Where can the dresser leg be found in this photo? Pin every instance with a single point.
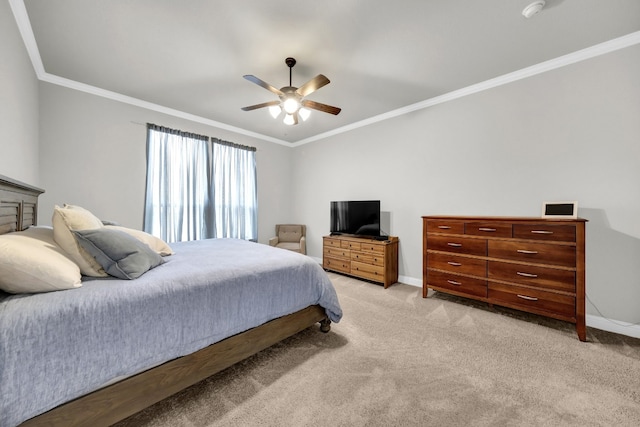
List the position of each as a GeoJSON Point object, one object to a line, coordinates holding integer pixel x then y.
{"type": "Point", "coordinates": [425, 291]}
{"type": "Point", "coordinates": [581, 329]}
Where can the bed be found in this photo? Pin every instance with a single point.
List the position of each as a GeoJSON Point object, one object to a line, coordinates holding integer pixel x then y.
{"type": "Point", "coordinates": [98, 353]}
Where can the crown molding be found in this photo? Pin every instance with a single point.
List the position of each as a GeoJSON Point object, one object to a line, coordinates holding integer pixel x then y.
{"type": "Point", "coordinates": [24, 26]}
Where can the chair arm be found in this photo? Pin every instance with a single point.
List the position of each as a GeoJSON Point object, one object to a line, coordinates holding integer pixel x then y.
{"type": "Point", "coordinates": [303, 245]}
{"type": "Point", "coordinates": [273, 241]}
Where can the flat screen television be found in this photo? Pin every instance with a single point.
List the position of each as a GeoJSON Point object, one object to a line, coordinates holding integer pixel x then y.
{"type": "Point", "coordinates": [356, 217]}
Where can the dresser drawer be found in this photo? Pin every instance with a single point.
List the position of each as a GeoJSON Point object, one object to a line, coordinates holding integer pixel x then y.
{"type": "Point", "coordinates": [544, 277]}
{"type": "Point", "coordinates": [557, 233]}
{"type": "Point", "coordinates": [467, 285]}
{"type": "Point", "coordinates": [368, 258]}
{"type": "Point", "coordinates": [534, 300]}
{"type": "Point", "coordinates": [336, 264]}
{"type": "Point", "coordinates": [346, 244]}
{"type": "Point", "coordinates": [372, 272]}
{"type": "Point", "coordinates": [458, 264]}
{"type": "Point", "coordinates": [455, 244]}
{"type": "Point", "coordinates": [488, 229]}
{"type": "Point", "coordinates": [337, 253]}
{"type": "Point", "coordinates": [542, 253]}
{"type": "Point", "coordinates": [372, 247]}
{"type": "Point", "coordinates": [334, 243]}
{"type": "Point", "coordinates": [445, 226]}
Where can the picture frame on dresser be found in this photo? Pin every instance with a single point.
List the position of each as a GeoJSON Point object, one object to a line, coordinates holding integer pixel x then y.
{"type": "Point", "coordinates": [560, 210]}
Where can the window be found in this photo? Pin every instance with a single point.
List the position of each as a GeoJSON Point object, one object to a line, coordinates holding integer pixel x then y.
{"type": "Point", "coordinates": [198, 187]}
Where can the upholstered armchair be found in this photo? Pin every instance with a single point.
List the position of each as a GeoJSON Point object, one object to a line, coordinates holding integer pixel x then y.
{"type": "Point", "coordinates": [291, 237]}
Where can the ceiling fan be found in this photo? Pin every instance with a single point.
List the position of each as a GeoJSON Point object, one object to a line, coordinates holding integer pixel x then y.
{"type": "Point", "coordinates": [292, 99]}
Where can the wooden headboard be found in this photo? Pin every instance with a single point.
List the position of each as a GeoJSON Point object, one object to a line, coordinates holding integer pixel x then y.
{"type": "Point", "coordinates": [18, 205]}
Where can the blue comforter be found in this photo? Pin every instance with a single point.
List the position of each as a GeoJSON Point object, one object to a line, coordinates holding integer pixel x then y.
{"type": "Point", "coordinates": [57, 346]}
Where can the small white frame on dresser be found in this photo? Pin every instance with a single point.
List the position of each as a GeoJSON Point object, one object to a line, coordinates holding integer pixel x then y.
{"type": "Point", "coordinates": [560, 210]}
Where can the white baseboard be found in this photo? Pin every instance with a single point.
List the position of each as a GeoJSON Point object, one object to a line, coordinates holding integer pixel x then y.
{"type": "Point", "coordinates": [615, 326]}
{"type": "Point", "coordinates": [410, 281]}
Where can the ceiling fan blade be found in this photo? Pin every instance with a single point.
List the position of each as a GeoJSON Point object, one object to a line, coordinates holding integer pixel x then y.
{"type": "Point", "coordinates": [312, 85]}
{"type": "Point", "coordinates": [264, 84]}
{"type": "Point", "coordinates": [264, 104]}
{"type": "Point", "coordinates": [320, 107]}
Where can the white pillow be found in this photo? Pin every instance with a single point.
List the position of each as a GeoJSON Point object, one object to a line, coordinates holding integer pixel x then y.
{"type": "Point", "coordinates": [30, 261]}
{"type": "Point", "coordinates": [69, 218]}
{"type": "Point", "coordinates": [155, 243]}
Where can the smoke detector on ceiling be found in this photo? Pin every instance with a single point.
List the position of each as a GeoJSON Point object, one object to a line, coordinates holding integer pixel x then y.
{"type": "Point", "coordinates": [533, 8]}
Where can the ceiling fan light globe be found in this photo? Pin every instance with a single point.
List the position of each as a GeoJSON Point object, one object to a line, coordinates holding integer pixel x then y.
{"type": "Point", "coordinates": [304, 113]}
{"type": "Point", "coordinates": [291, 105]}
{"type": "Point", "coordinates": [288, 120]}
{"type": "Point", "coordinates": [275, 111]}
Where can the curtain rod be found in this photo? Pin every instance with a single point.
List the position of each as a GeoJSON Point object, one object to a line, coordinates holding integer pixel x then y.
{"type": "Point", "coordinates": [213, 139]}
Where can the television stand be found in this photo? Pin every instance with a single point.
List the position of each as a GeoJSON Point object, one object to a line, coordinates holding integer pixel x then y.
{"type": "Point", "coordinates": [364, 257]}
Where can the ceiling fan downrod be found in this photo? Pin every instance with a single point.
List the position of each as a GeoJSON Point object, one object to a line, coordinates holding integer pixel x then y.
{"type": "Point", "coordinates": [290, 63]}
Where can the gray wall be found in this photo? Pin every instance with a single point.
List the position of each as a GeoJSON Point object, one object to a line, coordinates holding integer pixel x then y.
{"type": "Point", "coordinates": [18, 104]}
{"type": "Point", "coordinates": [93, 155]}
{"type": "Point", "coordinates": [568, 134]}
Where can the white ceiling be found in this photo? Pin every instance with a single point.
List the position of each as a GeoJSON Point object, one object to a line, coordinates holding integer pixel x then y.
{"type": "Point", "coordinates": [381, 56]}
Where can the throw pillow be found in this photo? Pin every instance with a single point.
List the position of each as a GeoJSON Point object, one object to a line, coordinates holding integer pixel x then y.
{"type": "Point", "coordinates": [31, 261]}
{"type": "Point", "coordinates": [70, 218]}
{"type": "Point", "coordinates": [119, 254]}
{"type": "Point", "coordinates": [158, 245]}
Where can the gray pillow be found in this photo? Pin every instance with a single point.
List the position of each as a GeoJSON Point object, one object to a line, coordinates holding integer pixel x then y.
{"type": "Point", "coordinates": [120, 254]}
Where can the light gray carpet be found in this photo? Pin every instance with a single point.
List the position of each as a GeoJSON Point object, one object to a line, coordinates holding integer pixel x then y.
{"type": "Point", "coordinates": [399, 360]}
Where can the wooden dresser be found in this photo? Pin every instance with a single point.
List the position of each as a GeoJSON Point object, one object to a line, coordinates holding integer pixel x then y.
{"type": "Point", "coordinates": [366, 258]}
{"type": "Point", "coordinates": [531, 264]}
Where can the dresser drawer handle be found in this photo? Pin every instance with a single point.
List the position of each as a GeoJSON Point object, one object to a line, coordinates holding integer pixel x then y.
{"type": "Point", "coordinates": [455, 264]}
{"type": "Point", "coordinates": [533, 276]}
{"type": "Point", "coordinates": [541, 232]}
{"type": "Point", "coordinates": [453, 282]}
{"type": "Point", "coordinates": [444, 227]}
{"type": "Point", "coordinates": [455, 245]}
{"type": "Point", "coordinates": [528, 298]}
{"type": "Point", "coordinates": [486, 229]}
{"type": "Point", "coordinates": [524, 251]}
